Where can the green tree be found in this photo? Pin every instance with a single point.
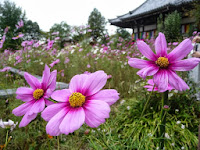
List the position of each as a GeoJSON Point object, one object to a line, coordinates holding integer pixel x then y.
{"type": "Point", "coordinates": [121, 32]}
{"type": "Point", "coordinates": [64, 32]}
{"type": "Point", "coordinates": [97, 24]}
{"type": "Point", "coordinates": [171, 26]}
{"type": "Point", "coordinates": [31, 30]}
{"type": "Point", "coordinates": [196, 13]}
{"type": "Point", "coordinates": [10, 14]}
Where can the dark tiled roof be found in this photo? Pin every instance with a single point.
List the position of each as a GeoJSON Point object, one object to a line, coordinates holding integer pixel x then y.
{"type": "Point", "coordinates": [147, 7]}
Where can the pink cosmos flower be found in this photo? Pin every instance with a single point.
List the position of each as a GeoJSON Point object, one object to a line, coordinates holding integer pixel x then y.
{"type": "Point", "coordinates": [84, 101]}
{"type": "Point", "coordinates": [163, 66]}
{"type": "Point", "coordinates": [88, 66]}
{"type": "Point", "coordinates": [5, 69]}
{"type": "Point", "coordinates": [19, 36]}
{"type": "Point", "coordinates": [151, 86]}
{"type": "Point", "coordinates": [35, 97]}
{"type": "Point", "coordinates": [2, 41]}
{"type": "Point", "coordinates": [55, 33]}
{"type": "Point", "coordinates": [20, 24]}
{"type": "Point", "coordinates": [54, 62]}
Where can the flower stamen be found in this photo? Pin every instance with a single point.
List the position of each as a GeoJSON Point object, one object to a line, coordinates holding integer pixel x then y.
{"type": "Point", "coordinates": [162, 62]}
{"type": "Point", "coordinates": [38, 93]}
{"type": "Point", "coordinates": [76, 99]}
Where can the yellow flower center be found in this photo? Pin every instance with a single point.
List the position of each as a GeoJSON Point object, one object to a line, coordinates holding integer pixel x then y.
{"type": "Point", "coordinates": [162, 62]}
{"type": "Point", "coordinates": [38, 93]}
{"type": "Point", "coordinates": [76, 99]}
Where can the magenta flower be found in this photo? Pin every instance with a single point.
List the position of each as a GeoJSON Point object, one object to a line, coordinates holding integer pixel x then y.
{"type": "Point", "coordinates": [163, 66]}
{"type": "Point", "coordinates": [151, 86]}
{"type": "Point", "coordinates": [5, 69]}
{"type": "Point", "coordinates": [20, 24]}
{"type": "Point", "coordinates": [54, 62]}
{"type": "Point", "coordinates": [84, 101]}
{"type": "Point", "coordinates": [19, 36]}
{"type": "Point", "coordinates": [2, 41]}
{"type": "Point", "coordinates": [35, 97]}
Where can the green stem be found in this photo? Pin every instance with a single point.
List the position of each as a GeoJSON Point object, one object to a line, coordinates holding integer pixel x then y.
{"type": "Point", "coordinates": [145, 106]}
{"type": "Point", "coordinates": [163, 118]}
{"type": "Point", "coordinates": [6, 139]}
{"type": "Point", "coordinates": [101, 136]}
{"type": "Point", "coordinates": [58, 143]}
{"type": "Point", "coordinates": [143, 111]}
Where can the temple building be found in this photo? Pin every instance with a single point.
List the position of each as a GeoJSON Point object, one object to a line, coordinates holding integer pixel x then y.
{"type": "Point", "coordinates": [143, 19]}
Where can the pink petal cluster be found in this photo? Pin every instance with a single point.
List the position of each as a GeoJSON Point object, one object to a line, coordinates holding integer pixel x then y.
{"type": "Point", "coordinates": [5, 69]}
{"type": "Point", "coordinates": [32, 106]}
{"type": "Point", "coordinates": [19, 36]}
{"type": "Point", "coordinates": [62, 117]}
{"type": "Point", "coordinates": [2, 41]}
{"type": "Point", "coordinates": [54, 63]}
{"type": "Point", "coordinates": [163, 66]}
{"type": "Point", "coordinates": [150, 87]}
{"type": "Point", "coordinates": [20, 24]}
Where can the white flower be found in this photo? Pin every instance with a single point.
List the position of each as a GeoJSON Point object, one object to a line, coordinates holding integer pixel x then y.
{"type": "Point", "coordinates": [157, 148]}
{"type": "Point", "coordinates": [182, 147]}
{"type": "Point", "coordinates": [177, 110]}
{"type": "Point", "coordinates": [182, 126]}
{"type": "Point", "coordinates": [150, 134]}
{"type": "Point", "coordinates": [122, 101]}
{"type": "Point", "coordinates": [128, 107]}
{"type": "Point", "coordinates": [167, 136]}
{"type": "Point", "coordinates": [8, 125]}
{"type": "Point", "coordinates": [170, 95]}
{"type": "Point", "coordinates": [178, 122]}
{"type": "Point", "coordinates": [172, 144]}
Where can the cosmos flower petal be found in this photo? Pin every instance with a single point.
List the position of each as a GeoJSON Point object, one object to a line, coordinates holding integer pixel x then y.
{"type": "Point", "coordinates": [185, 65]}
{"type": "Point", "coordinates": [95, 112]}
{"type": "Point", "coordinates": [52, 110]}
{"type": "Point", "coordinates": [146, 50]}
{"type": "Point", "coordinates": [37, 107]}
{"type": "Point", "coordinates": [61, 95]}
{"type": "Point", "coordinates": [73, 120]}
{"type": "Point", "coordinates": [32, 81]}
{"type": "Point", "coordinates": [23, 109]}
{"type": "Point", "coordinates": [27, 119]}
{"type": "Point", "coordinates": [45, 77]}
{"type": "Point", "coordinates": [148, 71]}
{"type": "Point", "coordinates": [180, 51]}
{"type": "Point", "coordinates": [161, 80]}
{"type": "Point", "coordinates": [109, 96]}
{"type": "Point", "coordinates": [176, 82]}
{"type": "Point", "coordinates": [52, 127]}
{"type": "Point", "coordinates": [77, 82]}
{"type": "Point", "coordinates": [94, 83]}
{"type": "Point", "coordinates": [138, 63]}
{"type": "Point", "coordinates": [25, 94]}
{"type": "Point", "coordinates": [52, 80]}
{"type": "Point", "coordinates": [161, 45]}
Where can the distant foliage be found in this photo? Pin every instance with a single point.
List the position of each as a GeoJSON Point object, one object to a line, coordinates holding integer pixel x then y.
{"type": "Point", "coordinates": [170, 26]}
{"type": "Point", "coordinates": [32, 30]}
{"type": "Point", "coordinates": [63, 30]}
{"type": "Point", "coordinates": [123, 33]}
{"type": "Point", "coordinates": [195, 13]}
{"type": "Point", "coordinates": [160, 24]}
{"type": "Point", "coordinates": [97, 24]}
{"type": "Point", "coordinates": [10, 14]}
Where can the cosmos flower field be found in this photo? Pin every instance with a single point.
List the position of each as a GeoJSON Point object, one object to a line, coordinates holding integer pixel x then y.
{"type": "Point", "coordinates": [110, 102]}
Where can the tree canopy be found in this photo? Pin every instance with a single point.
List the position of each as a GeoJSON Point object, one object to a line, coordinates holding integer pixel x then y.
{"type": "Point", "coordinates": [97, 25]}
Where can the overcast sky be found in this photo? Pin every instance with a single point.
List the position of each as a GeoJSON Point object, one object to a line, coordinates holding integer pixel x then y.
{"type": "Point", "coordinates": [74, 12]}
